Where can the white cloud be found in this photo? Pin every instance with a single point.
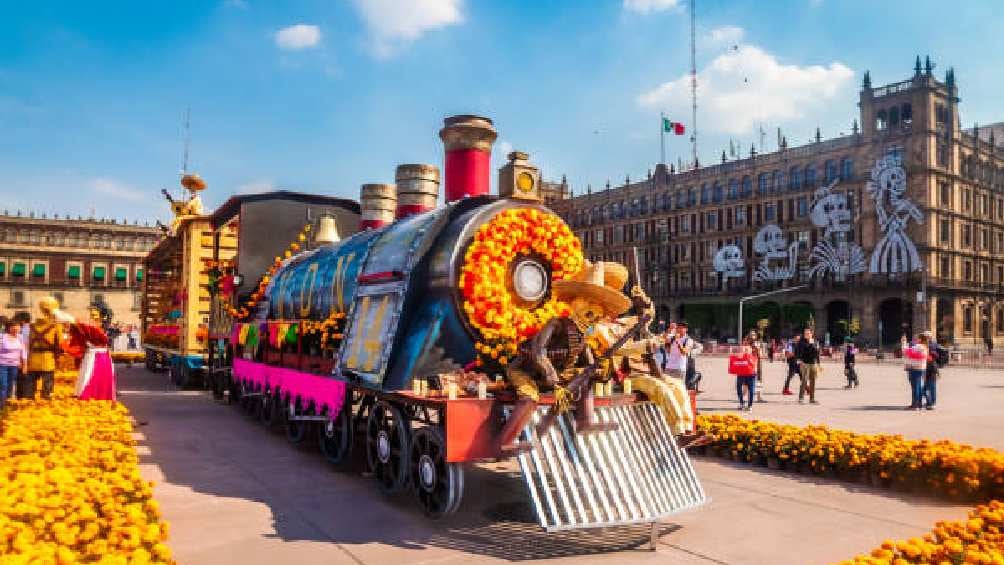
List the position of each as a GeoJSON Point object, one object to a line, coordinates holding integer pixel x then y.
{"type": "Point", "coordinates": [648, 6]}
{"type": "Point", "coordinates": [256, 186]}
{"type": "Point", "coordinates": [726, 35]}
{"type": "Point", "coordinates": [393, 24]}
{"type": "Point", "coordinates": [115, 189]}
{"type": "Point", "coordinates": [749, 85]}
{"type": "Point", "coordinates": [297, 37]}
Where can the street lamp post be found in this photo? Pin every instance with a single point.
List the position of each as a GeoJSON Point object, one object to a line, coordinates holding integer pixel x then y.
{"type": "Point", "coordinates": [745, 299]}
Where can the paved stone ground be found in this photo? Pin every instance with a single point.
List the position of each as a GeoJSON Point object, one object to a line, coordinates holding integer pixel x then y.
{"type": "Point", "coordinates": [236, 493]}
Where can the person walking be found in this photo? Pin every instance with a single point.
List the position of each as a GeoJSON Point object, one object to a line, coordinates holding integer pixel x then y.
{"type": "Point", "coordinates": [808, 366]}
{"type": "Point", "coordinates": [915, 364]}
{"type": "Point", "coordinates": [757, 348]}
{"type": "Point", "coordinates": [13, 357]}
{"type": "Point", "coordinates": [850, 354]}
{"type": "Point", "coordinates": [936, 359]}
{"type": "Point", "coordinates": [743, 366]}
{"type": "Point", "coordinates": [791, 357]}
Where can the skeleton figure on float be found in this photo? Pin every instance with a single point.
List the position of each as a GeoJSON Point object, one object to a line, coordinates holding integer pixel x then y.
{"type": "Point", "coordinates": [895, 252]}
{"type": "Point", "coordinates": [834, 254]}
{"type": "Point", "coordinates": [771, 243]}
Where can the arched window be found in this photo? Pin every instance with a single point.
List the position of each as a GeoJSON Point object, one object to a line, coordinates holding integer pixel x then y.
{"type": "Point", "coordinates": [716, 192]}
{"type": "Point", "coordinates": [761, 183]}
{"type": "Point", "coordinates": [794, 179]}
{"type": "Point", "coordinates": [747, 186]}
{"type": "Point", "coordinates": [733, 189]}
{"type": "Point", "coordinates": [907, 114]}
{"type": "Point", "coordinates": [691, 197]}
{"type": "Point", "coordinates": [705, 194]}
{"type": "Point", "coordinates": [846, 169]}
{"type": "Point", "coordinates": [810, 176]}
{"type": "Point", "coordinates": [778, 184]}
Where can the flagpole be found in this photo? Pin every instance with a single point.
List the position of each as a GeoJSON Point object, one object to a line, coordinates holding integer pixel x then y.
{"type": "Point", "coordinates": [662, 138]}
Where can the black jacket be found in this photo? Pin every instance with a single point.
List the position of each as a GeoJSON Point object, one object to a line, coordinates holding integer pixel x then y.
{"type": "Point", "coordinates": [807, 352]}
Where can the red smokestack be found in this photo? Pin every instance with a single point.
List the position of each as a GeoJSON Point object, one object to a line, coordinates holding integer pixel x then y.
{"type": "Point", "coordinates": [468, 141]}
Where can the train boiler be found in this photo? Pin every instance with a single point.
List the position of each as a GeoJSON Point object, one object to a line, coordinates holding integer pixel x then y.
{"type": "Point", "coordinates": [358, 335]}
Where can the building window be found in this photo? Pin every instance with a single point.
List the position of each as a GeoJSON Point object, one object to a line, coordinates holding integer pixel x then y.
{"type": "Point", "coordinates": [893, 116]}
{"type": "Point", "coordinates": [942, 151]}
{"type": "Point", "coordinates": [984, 273]}
{"type": "Point", "coordinates": [17, 299]}
{"type": "Point", "coordinates": [810, 176]}
{"type": "Point", "coordinates": [1000, 320]}
{"type": "Point", "coordinates": [716, 192]}
{"type": "Point", "coordinates": [881, 120]}
{"type": "Point", "coordinates": [705, 194]}
{"type": "Point", "coordinates": [967, 270]}
{"type": "Point", "coordinates": [733, 189]}
{"type": "Point", "coordinates": [831, 170]}
{"type": "Point", "coordinates": [712, 220]}
{"type": "Point", "coordinates": [803, 240]}
{"type": "Point", "coordinates": [946, 231]}
{"type": "Point", "coordinates": [967, 199]}
{"type": "Point", "coordinates": [802, 207]}
{"type": "Point", "coordinates": [769, 213]}
{"type": "Point", "coordinates": [778, 184]}
{"type": "Point", "coordinates": [740, 215]}
{"type": "Point", "coordinates": [967, 235]}
{"type": "Point", "coordinates": [846, 169]}
{"type": "Point", "coordinates": [761, 182]}
{"type": "Point", "coordinates": [945, 191]}
{"type": "Point", "coordinates": [967, 318]}
{"type": "Point", "coordinates": [98, 274]}
{"type": "Point", "coordinates": [794, 178]}
{"type": "Point", "coordinates": [3, 269]}
{"type": "Point", "coordinates": [945, 270]}
{"type": "Point", "coordinates": [906, 114]}
{"type": "Point", "coordinates": [691, 197]}
{"type": "Point", "coordinates": [18, 269]}
{"type": "Point", "coordinates": [747, 186]}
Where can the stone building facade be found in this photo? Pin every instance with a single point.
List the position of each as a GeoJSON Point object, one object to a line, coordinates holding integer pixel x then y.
{"type": "Point", "coordinates": [943, 234]}
{"type": "Point", "coordinates": [79, 261]}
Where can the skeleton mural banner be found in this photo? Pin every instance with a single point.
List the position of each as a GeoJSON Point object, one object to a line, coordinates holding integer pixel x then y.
{"type": "Point", "coordinates": [895, 252]}
{"type": "Point", "coordinates": [729, 263]}
{"type": "Point", "coordinates": [779, 260]}
{"type": "Point", "coordinates": [834, 254]}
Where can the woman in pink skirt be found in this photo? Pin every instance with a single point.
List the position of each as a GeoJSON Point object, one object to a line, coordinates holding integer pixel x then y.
{"type": "Point", "coordinates": [89, 345]}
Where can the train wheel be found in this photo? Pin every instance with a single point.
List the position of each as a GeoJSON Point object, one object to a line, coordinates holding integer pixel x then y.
{"type": "Point", "coordinates": [336, 436]}
{"type": "Point", "coordinates": [266, 413]}
{"type": "Point", "coordinates": [387, 446]}
{"type": "Point", "coordinates": [438, 484]}
{"type": "Point", "coordinates": [296, 431]}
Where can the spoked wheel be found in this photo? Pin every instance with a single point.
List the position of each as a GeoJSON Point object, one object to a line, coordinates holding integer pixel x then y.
{"type": "Point", "coordinates": [438, 484]}
{"type": "Point", "coordinates": [296, 431]}
{"type": "Point", "coordinates": [267, 408]}
{"type": "Point", "coordinates": [336, 436]}
{"type": "Point", "coordinates": [387, 446]}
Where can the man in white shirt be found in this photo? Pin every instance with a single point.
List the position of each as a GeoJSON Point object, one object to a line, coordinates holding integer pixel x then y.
{"type": "Point", "coordinates": [679, 347]}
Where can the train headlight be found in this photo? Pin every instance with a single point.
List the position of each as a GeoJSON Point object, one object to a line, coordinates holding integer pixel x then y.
{"type": "Point", "coordinates": [524, 181]}
{"type": "Point", "coordinates": [529, 280]}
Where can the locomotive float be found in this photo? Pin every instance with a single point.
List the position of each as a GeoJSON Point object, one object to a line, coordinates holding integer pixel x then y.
{"type": "Point", "coordinates": [395, 333]}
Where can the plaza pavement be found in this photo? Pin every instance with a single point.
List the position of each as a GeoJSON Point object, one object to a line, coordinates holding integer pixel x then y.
{"type": "Point", "coordinates": [235, 493]}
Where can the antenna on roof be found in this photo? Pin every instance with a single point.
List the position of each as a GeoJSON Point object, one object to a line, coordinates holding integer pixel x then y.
{"type": "Point", "coordinates": [188, 140]}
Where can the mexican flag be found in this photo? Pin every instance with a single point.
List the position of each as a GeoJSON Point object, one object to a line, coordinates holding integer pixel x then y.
{"type": "Point", "coordinates": [672, 127]}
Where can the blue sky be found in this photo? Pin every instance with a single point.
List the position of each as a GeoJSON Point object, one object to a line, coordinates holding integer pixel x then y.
{"type": "Point", "coordinates": [322, 96]}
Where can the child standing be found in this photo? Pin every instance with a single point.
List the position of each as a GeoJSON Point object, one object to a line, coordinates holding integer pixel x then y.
{"type": "Point", "coordinates": [743, 366]}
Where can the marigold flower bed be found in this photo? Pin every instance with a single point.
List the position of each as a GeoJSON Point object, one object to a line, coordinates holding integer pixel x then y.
{"type": "Point", "coordinates": [942, 468]}
{"type": "Point", "coordinates": [70, 488]}
{"type": "Point", "coordinates": [978, 539]}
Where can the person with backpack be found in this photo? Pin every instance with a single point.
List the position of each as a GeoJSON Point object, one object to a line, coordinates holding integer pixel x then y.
{"type": "Point", "coordinates": [937, 359]}
{"type": "Point", "coordinates": [850, 354]}
{"type": "Point", "coordinates": [792, 359]}
{"type": "Point", "coordinates": [743, 366]}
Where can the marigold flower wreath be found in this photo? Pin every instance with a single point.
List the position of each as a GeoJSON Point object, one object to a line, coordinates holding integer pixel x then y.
{"type": "Point", "coordinates": [500, 317]}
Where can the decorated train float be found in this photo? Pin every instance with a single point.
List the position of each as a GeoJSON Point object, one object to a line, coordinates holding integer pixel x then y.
{"type": "Point", "coordinates": [432, 337]}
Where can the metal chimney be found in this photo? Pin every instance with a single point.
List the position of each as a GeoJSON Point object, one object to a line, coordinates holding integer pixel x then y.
{"type": "Point", "coordinates": [417, 189]}
{"type": "Point", "coordinates": [377, 203]}
{"type": "Point", "coordinates": [468, 142]}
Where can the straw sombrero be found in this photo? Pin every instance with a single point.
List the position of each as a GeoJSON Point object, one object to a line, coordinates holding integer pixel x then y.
{"type": "Point", "coordinates": [594, 282]}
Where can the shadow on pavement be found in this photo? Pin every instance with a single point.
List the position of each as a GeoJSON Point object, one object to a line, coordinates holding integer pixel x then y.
{"type": "Point", "coordinates": [215, 449]}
